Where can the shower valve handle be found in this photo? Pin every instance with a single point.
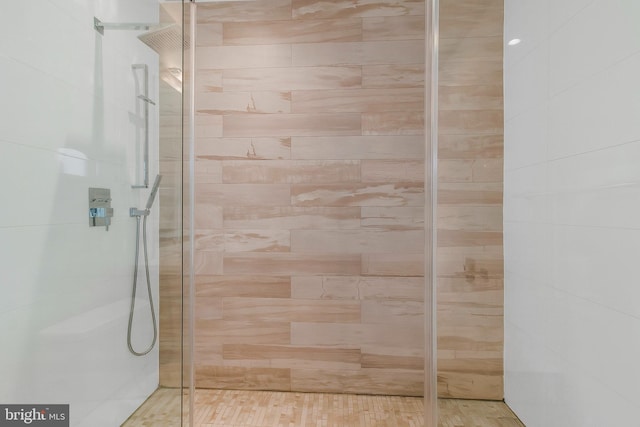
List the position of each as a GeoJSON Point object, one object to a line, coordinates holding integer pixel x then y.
{"type": "Point", "coordinates": [104, 214]}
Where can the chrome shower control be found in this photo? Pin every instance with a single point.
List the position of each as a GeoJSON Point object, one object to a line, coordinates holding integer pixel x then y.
{"type": "Point", "coordinates": [100, 210]}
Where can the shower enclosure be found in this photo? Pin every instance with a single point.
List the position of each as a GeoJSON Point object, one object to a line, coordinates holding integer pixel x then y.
{"type": "Point", "coordinates": [85, 108]}
{"type": "Point", "coordinates": [291, 245]}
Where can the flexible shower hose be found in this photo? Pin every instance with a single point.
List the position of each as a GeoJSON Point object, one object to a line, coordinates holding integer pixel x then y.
{"type": "Point", "coordinates": [135, 282]}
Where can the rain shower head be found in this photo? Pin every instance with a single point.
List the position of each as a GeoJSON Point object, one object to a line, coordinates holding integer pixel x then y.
{"type": "Point", "coordinates": [165, 39]}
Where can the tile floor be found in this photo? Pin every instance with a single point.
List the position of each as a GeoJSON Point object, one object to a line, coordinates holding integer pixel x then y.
{"type": "Point", "coordinates": [233, 408]}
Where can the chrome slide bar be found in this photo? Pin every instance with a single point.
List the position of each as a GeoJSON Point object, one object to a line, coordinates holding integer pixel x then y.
{"type": "Point", "coordinates": [145, 97]}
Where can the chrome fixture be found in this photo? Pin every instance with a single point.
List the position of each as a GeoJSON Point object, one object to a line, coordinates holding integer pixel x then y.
{"type": "Point", "coordinates": [158, 34]}
{"type": "Point", "coordinates": [100, 210]}
{"type": "Point", "coordinates": [144, 97]}
{"type": "Point", "coordinates": [100, 26]}
{"type": "Point", "coordinates": [137, 214]}
{"type": "Point", "coordinates": [165, 38]}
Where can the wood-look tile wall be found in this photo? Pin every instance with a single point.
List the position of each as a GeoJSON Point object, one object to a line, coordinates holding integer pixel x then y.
{"type": "Point", "coordinates": [170, 200]}
{"type": "Point", "coordinates": [310, 196]}
{"type": "Point", "coordinates": [470, 260]}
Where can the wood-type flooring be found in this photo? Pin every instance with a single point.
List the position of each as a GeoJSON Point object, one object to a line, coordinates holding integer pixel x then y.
{"type": "Point", "coordinates": [233, 408]}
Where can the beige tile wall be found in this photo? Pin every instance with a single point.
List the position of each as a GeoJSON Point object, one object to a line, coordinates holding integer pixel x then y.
{"type": "Point", "coordinates": [310, 163]}
{"type": "Point", "coordinates": [170, 301]}
{"type": "Point", "coordinates": [170, 114]}
{"type": "Point", "coordinates": [470, 261]}
{"type": "Point", "coordinates": [310, 198]}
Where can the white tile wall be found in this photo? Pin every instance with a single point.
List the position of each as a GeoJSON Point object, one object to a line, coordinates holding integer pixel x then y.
{"type": "Point", "coordinates": [572, 212]}
{"type": "Point", "coordinates": [69, 121]}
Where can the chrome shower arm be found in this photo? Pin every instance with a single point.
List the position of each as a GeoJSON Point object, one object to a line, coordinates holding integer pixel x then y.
{"type": "Point", "coordinates": [100, 26]}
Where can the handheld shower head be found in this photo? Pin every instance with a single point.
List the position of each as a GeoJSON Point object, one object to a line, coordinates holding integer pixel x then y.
{"type": "Point", "coordinates": [154, 190]}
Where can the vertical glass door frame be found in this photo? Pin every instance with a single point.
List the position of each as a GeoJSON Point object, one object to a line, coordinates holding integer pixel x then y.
{"type": "Point", "coordinates": [431, 207]}
{"type": "Point", "coordinates": [189, 64]}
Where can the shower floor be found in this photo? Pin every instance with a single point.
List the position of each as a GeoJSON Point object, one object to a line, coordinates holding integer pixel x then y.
{"type": "Point", "coordinates": [233, 408]}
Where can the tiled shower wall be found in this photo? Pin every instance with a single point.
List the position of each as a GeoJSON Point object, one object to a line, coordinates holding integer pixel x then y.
{"type": "Point", "coordinates": [470, 257]}
{"type": "Point", "coordinates": [70, 121]}
{"type": "Point", "coordinates": [572, 229]}
{"type": "Point", "coordinates": [310, 149]}
{"type": "Point", "coordinates": [309, 196]}
{"type": "Point", "coordinates": [172, 242]}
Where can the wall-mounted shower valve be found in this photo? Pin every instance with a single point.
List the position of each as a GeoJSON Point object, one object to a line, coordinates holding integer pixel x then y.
{"type": "Point", "coordinates": [100, 210]}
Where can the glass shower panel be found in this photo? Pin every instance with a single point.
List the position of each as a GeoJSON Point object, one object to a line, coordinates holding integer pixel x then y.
{"type": "Point", "coordinates": [73, 119]}
{"type": "Point", "coordinates": [310, 199]}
